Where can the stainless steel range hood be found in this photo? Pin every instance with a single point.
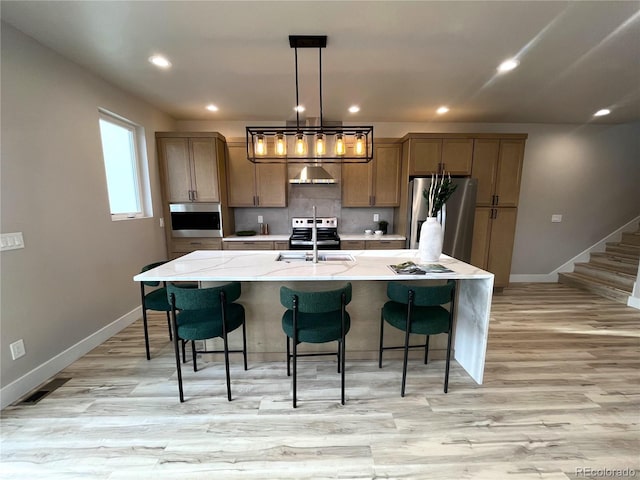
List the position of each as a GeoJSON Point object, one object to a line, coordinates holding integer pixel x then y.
{"type": "Point", "coordinates": [313, 174]}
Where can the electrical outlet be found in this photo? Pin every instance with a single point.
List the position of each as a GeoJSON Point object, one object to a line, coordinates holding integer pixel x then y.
{"type": "Point", "coordinates": [376, 217]}
{"type": "Point", "coordinates": [161, 222]}
{"type": "Point", "coordinates": [17, 349]}
{"type": "Point", "coordinates": [556, 218]}
{"type": "Point", "coordinates": [260, 219]}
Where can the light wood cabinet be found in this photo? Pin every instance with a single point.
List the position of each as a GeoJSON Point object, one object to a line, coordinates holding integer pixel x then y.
{"type": "Point", "coordinates": [277, 245]}
{"type": "Point", "coordinates": [497, 164]}
{"type": "Point", "coordinates": [254, 185]}
{"type": "Point", "coordinates": [192, 169]}
{"type": "Point", "coordinates": [352, 244]}
{"type": "Point", "coordinates": [189, 167]}
{"type": "Point", "coordinates": [384, 244]}
{"type": "Point", "coordinates": [376, 183]}
{"type": "Point", "coordinates": [493, 237]}
{"type": "Point", "coordinates": [427, 154]}
{"type": "Point", "coordinates": [248, 245]}
{"type": "Point", "coordinates": [182, 246]}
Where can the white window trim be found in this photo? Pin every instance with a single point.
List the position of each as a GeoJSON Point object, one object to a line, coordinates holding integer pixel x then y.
{"type": "Point", "coordinates": [141, 168]}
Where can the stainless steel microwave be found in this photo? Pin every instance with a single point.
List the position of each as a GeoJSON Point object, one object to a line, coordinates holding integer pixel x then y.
{"type": "Point", "coordinates": [196, 219]}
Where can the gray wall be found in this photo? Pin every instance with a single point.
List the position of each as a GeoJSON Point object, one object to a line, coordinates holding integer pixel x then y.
{"type": "Point", "coordinates": [75, 275]}
{"type": "Point", "coordinates": [588, 173]}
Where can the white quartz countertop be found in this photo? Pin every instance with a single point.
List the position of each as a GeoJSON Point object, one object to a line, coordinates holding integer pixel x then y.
{"type": "Point", "coordinates": [285, 237]}
{"type": "Point", "coordinates": [257, 238]}
{"type": "Point", "coordinates": [251, 265]}
{"type": "Point", "coordinates": [362, 236]}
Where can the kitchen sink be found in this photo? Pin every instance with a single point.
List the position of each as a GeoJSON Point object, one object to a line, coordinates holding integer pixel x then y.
{"type": "Point", "coordinates": [308, 257]}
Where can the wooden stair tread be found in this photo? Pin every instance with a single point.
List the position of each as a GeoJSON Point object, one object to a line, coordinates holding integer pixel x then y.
{"type": "Point", "coordinates": [614, 265]}
{"type": "Point", "coordinates": [594, 286]}
{"type": "Point", "coordinates": [620, 257]}
{"type": "Point", "coordinates": [607, 268]}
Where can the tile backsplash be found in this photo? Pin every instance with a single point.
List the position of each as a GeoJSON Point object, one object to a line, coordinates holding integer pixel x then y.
{"type": "Point", "coordinates": [326, 198]}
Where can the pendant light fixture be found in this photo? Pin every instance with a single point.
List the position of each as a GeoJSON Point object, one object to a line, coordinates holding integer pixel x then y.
{"type": "Point", "coordinates": [304, 144]}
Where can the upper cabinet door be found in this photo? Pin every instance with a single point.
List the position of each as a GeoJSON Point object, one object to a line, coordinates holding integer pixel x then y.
{"type": "Point", "coordinates": [428, 156]}
{"type": "Point", "coordinates": [485, 166]}
{"type": "Point", "coordinates": [457, 154]}
{"type": "Point", "coordinates": [356, 182]}
{"type": "Point", "coordinates": [271, 184]}
{"type": "Point", "coordinates": [175, 168]}
{"type": "Point", "coordinates": [507, 188]}
{"type": "Point", "coordinates": [240, 177]}
{"type": "Point", "coordinates": [204, 179]}
{"type": "Point", "coordinates": [425, 155]}
{"type": "Point", "coordinates": [386, 178]}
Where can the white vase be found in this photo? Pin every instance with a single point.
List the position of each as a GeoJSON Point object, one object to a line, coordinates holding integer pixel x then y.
{"type": "Point", "coordinates": [431, 237]}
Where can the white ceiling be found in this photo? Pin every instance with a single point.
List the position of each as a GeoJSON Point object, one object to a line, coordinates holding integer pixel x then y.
{"type": "Point", "coordinates": [398, 60]}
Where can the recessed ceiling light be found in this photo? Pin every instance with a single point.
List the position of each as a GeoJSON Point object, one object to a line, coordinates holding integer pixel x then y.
{"type": "Point", "coordinates": [508, 65]}
{"type": "Point", "coordinates": [212, 108]}
{"type": "Point", "coordinates": [602, 112]}
{"type": "Point", "coordinates": [442, 110]}
{"type": "Point", "coordinates": [299, 108]}
{"type": "Point", "coordinates": [160, 61]}
{"type": "Point", "coordinates": [354, 109]}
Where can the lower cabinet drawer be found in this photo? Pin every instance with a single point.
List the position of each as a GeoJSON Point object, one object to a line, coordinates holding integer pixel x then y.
{"type": "Point", "coordinates": [352, 244]}
{"type": "Point", "coordinates": [384, 244]}
{"type": "Point", "coordinates": [281, 245]}
{"type": "Point", "coordinates": [187, 245]}
{"type": "Point", "coordinates": [257, 245]}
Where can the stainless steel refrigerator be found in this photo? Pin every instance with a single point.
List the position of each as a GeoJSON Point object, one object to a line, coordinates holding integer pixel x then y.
{"type": "Point", "coordinates": [457, 216]}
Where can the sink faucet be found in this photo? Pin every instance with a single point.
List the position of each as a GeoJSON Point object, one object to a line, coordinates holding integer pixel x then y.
{"type": "Point", "coordinates": [314, 236]}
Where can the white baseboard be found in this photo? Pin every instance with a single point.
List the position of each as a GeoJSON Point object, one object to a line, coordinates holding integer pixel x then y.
{"type": "Point", "coordinates": [16, 389]}
{"type": "Point", "coordinates": [581, 257]}
{"type": "Point", "coordinates": [634, 302]}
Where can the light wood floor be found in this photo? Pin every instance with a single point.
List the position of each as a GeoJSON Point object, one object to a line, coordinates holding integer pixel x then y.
{"type": "Point", "coordinates": [561, 394]}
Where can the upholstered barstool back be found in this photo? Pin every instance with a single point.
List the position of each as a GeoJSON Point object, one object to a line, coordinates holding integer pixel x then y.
{"type": "Point", "coordinates": [315, 317]}
{"type": "Point", "coordinates": [418, 310]}
{"type": "Point", "coordinates": [206, 313]}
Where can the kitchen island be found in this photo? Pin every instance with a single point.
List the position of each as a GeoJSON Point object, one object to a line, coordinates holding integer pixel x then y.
{"type": "Point", "coordinates": [262, 275]}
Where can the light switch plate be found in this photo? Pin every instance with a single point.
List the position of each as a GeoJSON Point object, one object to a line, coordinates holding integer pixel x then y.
{"type": "Point", "coordinates": [376, 217]}
{"type": "Point", "coordinates": [17, 349]}
{"type": "Point", "coordinates": [260, 219]}
{"type": "Point", "coordinates": [11, 241]}
{"type": "Point", "coordinates": [556, 218]}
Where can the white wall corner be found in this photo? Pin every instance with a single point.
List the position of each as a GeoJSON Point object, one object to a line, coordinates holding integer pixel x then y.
{"type": "Point", "coordinates": [23, 385]}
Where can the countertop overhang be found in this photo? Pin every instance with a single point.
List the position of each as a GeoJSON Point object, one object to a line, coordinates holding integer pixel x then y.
{"type": "Point", "coordinates": [261, 266]}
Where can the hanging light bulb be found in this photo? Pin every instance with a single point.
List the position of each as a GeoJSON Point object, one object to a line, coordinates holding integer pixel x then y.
{"type": "Point", "coordinates": [321, 145]}
{"type": "Point", "coordinates": [301, 144]}
{"type": "Point", "coordinates": [261, 145]}
{"type": "Point", "coordinates": [341, 147]}
{"type": "Point", "coordinates": [281, 145]}
{"type": "Point", "coordinates": [359, 148]}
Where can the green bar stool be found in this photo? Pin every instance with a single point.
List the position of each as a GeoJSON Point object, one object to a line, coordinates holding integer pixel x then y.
{"type": "Point", "coordinates": [315, 317]}
{"type": "Point", "coordinates": [418, 310]}
{"type": "Point", "coordinates": [155, 300]}
{"type": "Point", "coordinates": [205, 313]}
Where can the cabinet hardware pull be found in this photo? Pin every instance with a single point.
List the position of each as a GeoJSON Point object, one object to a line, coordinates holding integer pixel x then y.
{"type": "Point", "coordinates": [195, 243]}
{"type": "Point", "coordinates": [195, 194]}
{"type": "Point", "coordinates": [257, 200]}
{"type": "Point", "coordinates": [497, 199]}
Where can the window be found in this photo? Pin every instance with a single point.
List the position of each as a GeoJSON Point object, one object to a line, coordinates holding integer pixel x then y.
{"type": "Point", "coordinates": [122, 151]}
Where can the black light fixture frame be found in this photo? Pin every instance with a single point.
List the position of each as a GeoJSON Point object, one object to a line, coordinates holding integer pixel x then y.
{"type": "Point", "coordinates": [349, 132]}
